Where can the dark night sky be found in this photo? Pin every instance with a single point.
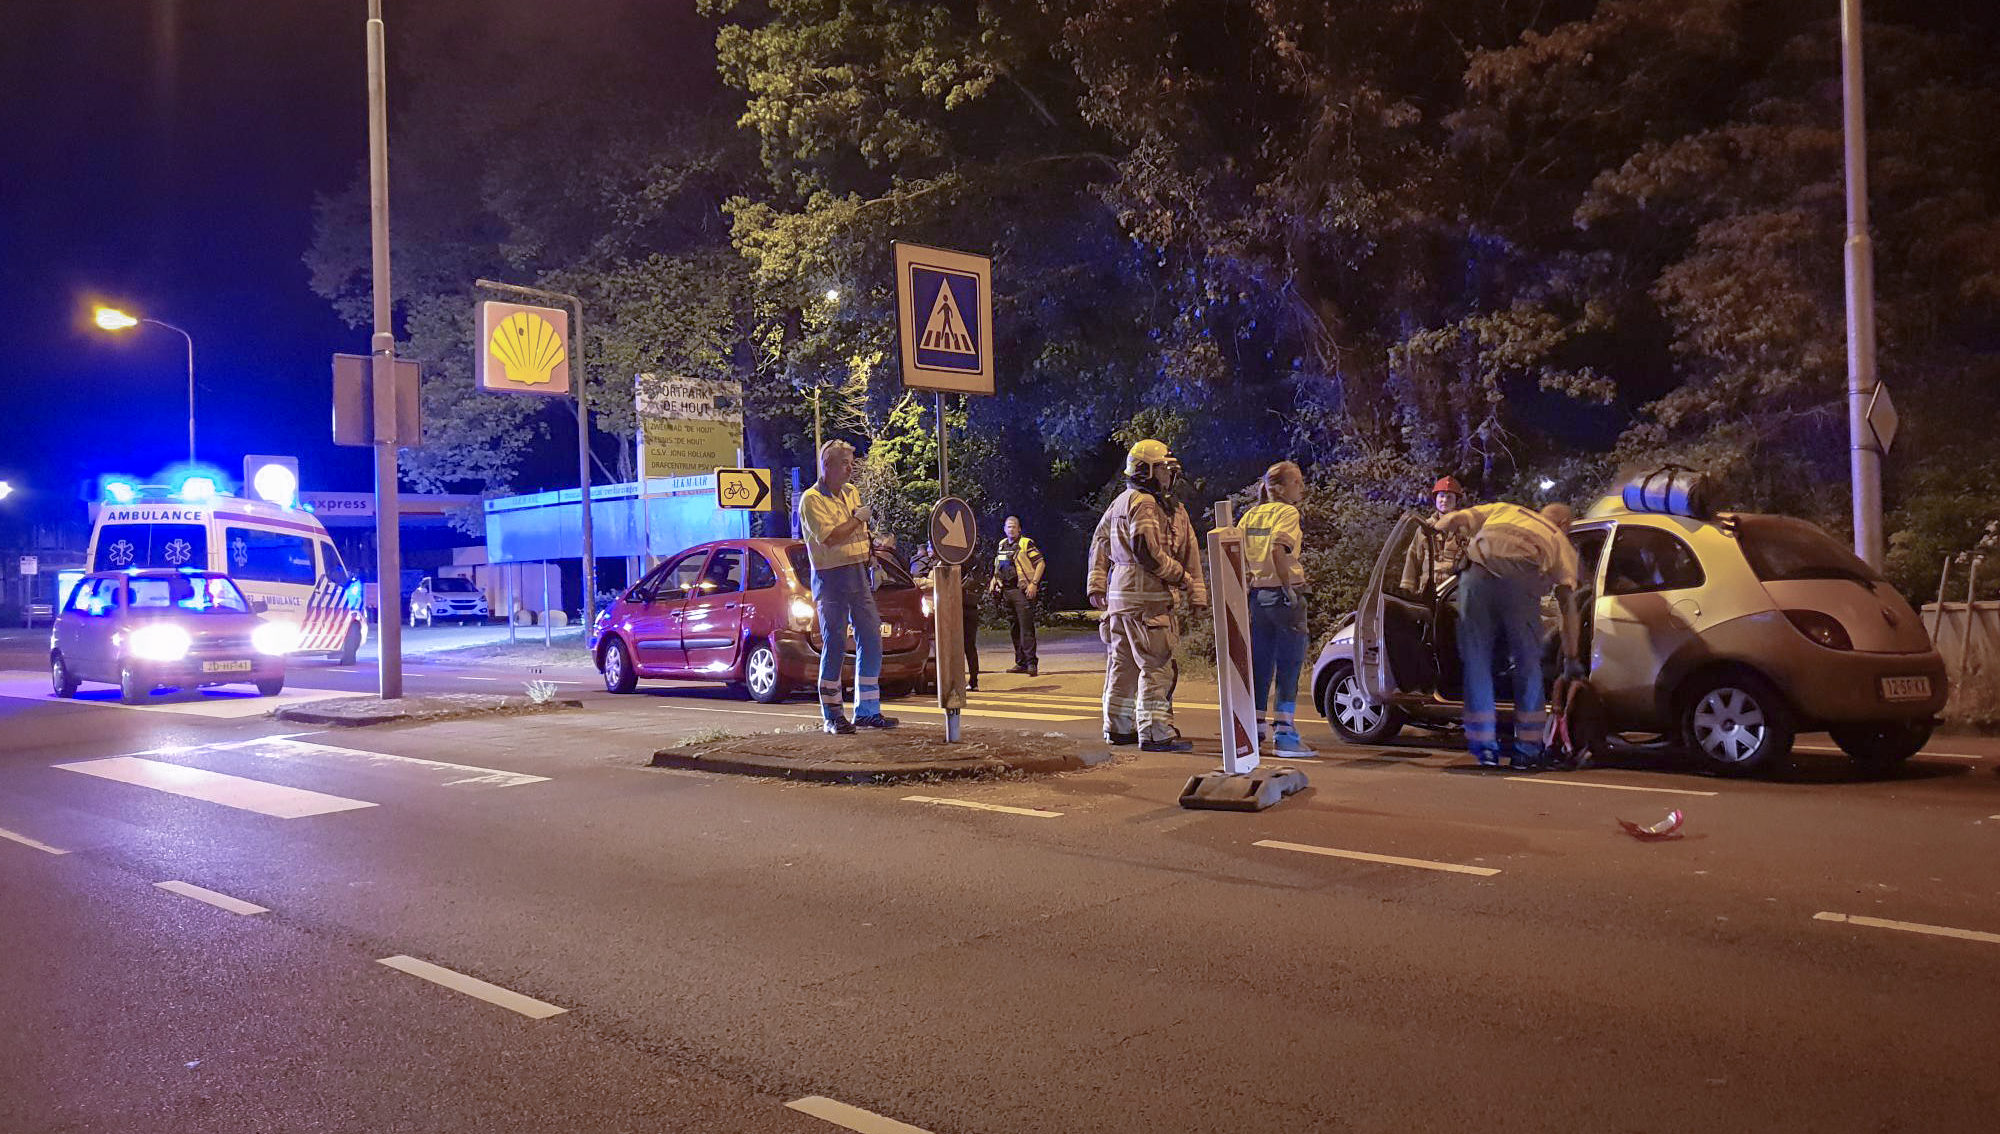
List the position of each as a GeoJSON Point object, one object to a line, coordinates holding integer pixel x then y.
{"type": "Point", "coordinates": [166, 155]}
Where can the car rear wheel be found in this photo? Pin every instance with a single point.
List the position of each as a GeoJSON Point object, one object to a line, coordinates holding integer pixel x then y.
{"type": "Point", "coordinates": [760, 674]}
{"type": "Point", "coordinates": [63, 681]}
{"type": "Point", "coordinates": [271, 688]}
{"type": "Point", "coordinates": [131, 690]}
{"type": "Point", "coordinates": [1882, 743]}
{"type": "Point", "coordinates": [1353, 716]}
{"type": "Point", "coordinates": [620, 676]}
{"type": "Point", "coordinates": [1735, 724]}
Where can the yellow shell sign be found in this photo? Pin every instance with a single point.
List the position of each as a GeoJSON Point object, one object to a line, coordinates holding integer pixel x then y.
{"type": "Point", "coordinates": [523, 350]}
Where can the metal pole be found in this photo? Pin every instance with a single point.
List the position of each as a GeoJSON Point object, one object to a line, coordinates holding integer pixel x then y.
{"type": "Point", "coordinates": [577, 378]}
{"type": "Point", "coordinates": [382, 347]}
{"type": "Point", "coordinates": [547, 634]}
{"type": "Point", "coordinates": [1865, 456]}
{"type": "Point", "coordinates": [817, 440]}
{"type": "Point", "coordinates": [513, 585]}
{"type": "Point", "coordinates": [944, 457]}
{"type": "Point", "coordinates": [190, 346]}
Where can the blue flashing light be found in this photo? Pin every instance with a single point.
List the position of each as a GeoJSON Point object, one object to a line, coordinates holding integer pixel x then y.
{"type": "Point", "coordinates": [196, 488]}
{"type": "Point", "coordinates": [120, 492]}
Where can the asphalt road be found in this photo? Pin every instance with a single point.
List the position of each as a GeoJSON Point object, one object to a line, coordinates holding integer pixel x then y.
{"type": "Point", "coordinates": [619, 948]}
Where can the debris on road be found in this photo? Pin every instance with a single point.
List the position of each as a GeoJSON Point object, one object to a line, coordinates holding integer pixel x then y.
{"type": "Point", "coordinates": [1668, 828]}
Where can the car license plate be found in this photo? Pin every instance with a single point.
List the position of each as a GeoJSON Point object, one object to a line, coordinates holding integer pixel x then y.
{"type": "Point", "coordinates": [1906, 688]}
{"type": "Point", "coordinates": [225, 667]}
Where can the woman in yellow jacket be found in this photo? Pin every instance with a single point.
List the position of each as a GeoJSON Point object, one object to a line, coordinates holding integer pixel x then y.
{"type": "Point", "coordinates": [1271, 543]}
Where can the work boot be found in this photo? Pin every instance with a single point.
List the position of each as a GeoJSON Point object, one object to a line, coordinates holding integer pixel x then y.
{"type": "Point", "coordinates": [1171, 744]}
{"type": "Point", "coordinates": [838, 726]}
{"type": "Point", "coordinates": [1034, 669]}
{"type": "Point", "coordinates": [1121, 739]}
{"type": "Point", "coordinates": [874, 720]}
{"type": "Point", "coordinates": [1018, 667]}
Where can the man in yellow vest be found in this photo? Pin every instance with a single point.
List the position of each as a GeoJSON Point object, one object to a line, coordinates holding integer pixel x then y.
{"type": "Point", "coordinates": [1017, 582]}
{"type": "Point", "coordinates": [835, 524]}
{"type": "Point", "coordinates": [1143, 558]}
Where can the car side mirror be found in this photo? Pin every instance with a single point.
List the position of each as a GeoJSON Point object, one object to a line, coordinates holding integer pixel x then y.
{"type": "Point", "coordinates": [259, 606]}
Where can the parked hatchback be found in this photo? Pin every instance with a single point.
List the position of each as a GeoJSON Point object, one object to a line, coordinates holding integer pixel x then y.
{"type": "Point", "coordinates": [140, 630]}
{"type": "Point", "coordinates": [741, 612]}
{"type": "Point", "coordinates": [1729, 635]}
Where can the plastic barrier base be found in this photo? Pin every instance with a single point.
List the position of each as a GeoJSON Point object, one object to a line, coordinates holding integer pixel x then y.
{"type": "Point", "coordinates": [1253, 791]}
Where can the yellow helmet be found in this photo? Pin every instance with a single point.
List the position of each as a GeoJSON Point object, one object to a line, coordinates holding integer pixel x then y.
{"type": "Point", "coordinates": [1144, 456]}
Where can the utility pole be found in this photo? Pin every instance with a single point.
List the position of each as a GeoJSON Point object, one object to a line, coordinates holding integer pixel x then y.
{"type": "Point", "coordinates": [578, 380]}
{"type": "Point", "coordinates": [382, 348]}
{"type": "Point", "coordinates": [1864, 451]}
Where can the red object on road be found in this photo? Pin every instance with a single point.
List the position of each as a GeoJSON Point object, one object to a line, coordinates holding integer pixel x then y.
{"type": "Point", "coordinates": [1668, 828]}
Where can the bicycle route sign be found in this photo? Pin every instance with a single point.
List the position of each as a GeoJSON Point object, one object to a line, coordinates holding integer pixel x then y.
{"type": "Point", "coordinates": [746, 490]}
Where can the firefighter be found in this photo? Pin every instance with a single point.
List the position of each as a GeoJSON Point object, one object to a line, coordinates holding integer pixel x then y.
{"type": "Point", "coordinates": [1423, 571]}
{"type": "Point", "coordinates": [1144, 558]}
{"type": "Point", "coordinates": [1017, 582]}
{"type": "Point", "coordinates": [835, 525]}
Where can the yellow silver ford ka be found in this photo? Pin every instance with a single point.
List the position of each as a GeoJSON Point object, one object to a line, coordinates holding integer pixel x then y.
{"type": "Point", "coordinates": [1729, 635]}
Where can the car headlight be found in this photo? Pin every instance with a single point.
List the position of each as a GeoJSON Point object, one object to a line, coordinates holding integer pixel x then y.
{"type": "Point", "coordinates": [275, 638]}
{"type": "Point", "coordinates": [927, 605]}
{"type": "Point", "coordinates": [801, 613]}
{"type": "Point", "coordinates": [162, 641]}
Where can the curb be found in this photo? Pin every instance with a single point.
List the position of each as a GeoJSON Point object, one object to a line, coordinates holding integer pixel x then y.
{"type": "Point", "coordinates": [878, 772]}
{"type": "Point", "coordinates": [306, 714]}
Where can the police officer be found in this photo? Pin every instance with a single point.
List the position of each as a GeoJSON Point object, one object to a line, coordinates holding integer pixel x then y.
{"type": "Point", "coordinates": [834, 522]}
{"type": "Point", "coordinates": [1017, 582]}
{"type": "Point", "coordinates": [1143, 558]}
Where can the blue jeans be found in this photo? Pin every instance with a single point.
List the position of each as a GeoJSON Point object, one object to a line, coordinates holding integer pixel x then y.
{"type": "Point", "coordinates": [1496, 613]}
{"type": "Point", "coordinates": [1277, 649]}
{"type": "Point", "coordinates": [844, 595]}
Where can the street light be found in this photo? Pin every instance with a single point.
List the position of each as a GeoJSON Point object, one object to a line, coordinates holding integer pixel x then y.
{"type": "Point", "coordinates": [112, 319]}
{"type": "Point", "coordinates": [6, 489]}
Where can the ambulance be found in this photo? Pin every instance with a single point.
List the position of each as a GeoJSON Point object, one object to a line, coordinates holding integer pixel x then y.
{"type": "Point", "coordinates": [280, 556]}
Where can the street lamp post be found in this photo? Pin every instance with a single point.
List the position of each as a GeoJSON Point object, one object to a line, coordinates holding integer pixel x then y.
{"type": "Point", "coordinates": [112, 319]}
{"type": "Point", "coordinates": [1864, 449]}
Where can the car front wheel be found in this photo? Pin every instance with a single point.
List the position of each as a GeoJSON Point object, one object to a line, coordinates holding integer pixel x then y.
{"type": "Point", "coordinates": [131, 689]}
{"type": "Point", "coordinates": [1882, 743]}
{"type": "Point", "coordinates": [1352, 715]}
{"type": "Point", "coordinates": [760, 674]}
{"type": "Point", "coordinates": [61, 678]}
{"type": "Point", "coordinates": [619, 674]}
{"type": "Point", "coordinates": [1735, 724]}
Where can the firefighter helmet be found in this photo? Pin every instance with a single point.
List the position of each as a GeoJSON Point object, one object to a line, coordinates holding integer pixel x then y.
{"type": "Point", "coordinates": [1151, 461]}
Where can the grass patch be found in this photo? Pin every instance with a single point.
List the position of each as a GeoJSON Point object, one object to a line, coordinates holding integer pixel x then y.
{"type": "Point", "coordinates": [705, 736]}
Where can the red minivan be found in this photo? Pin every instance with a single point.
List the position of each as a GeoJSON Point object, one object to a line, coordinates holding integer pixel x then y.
{"type": "Point", "coordinates": [740, 611]}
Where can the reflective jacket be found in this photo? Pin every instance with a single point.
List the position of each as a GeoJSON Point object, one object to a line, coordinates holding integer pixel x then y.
{"type": "Point", "coordinates": [1139, 556]}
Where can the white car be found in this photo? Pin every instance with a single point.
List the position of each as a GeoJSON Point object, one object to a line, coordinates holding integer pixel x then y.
{"type": "Point", "coordinates": [1729, 635]}
{"type": "Point", "coordinates": [447, 598]}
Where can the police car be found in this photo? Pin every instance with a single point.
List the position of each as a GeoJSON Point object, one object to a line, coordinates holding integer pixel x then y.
{"type": "Point", "coordinates": [281, 556]}
{"type": "Point", "coordinates": [1729, 633]}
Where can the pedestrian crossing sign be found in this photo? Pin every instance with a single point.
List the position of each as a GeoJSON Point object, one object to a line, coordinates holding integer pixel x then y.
{"type": "Point", "coordinates": [944, 309]}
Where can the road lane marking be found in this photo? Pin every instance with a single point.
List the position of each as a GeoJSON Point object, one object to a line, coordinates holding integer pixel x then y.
{"type": "Point", "coordinates": [1606, 787]}
{"type": "Point", "coordinates": [16, 836]}
{"type": "Point", "coordinates": [1000, 807]}
{"type": "Point", "coordinates": [1390, 859]}
{"type": "Point", "coordinates": [1832, 751]}
{"type": "Point", "coordinates": [288, 748]}
{"type": "Point", "coordinates": [1911, 927]}
{"type": "Point", "coordinates": [472, 986]}
{"type": "Point", "coordinates": [852, 1117]}
{"type": "Point", "coordinates": [215, 787]}
{"type": "Point", "coordinates": [1058, 699]}
{"type": "Point", "coordinates": [974, 711]}
{"type": "Point", "coordinates": [204, 894]}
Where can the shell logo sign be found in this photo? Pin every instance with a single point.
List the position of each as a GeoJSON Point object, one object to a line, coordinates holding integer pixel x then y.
{"type": "Point", "coordinates": [523, 350]}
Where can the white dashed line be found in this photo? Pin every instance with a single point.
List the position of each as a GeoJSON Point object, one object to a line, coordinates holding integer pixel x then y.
{"type": "Point", "coordinates": [1389, 859]}
{"type": "Point", "coordinates": [1911, 927]}
{"type": "Point", "coordinates": [25, 841]}
{"type": "Point", "coordinates": [1000, 807]}
{"type": "Point", "coordinates": [474, 987]}
{"type": "Point", "coordinates": [1606, 787]}
{"type": "Point", "coordinates": [851, 1117]}
{"type": "Point", "coordinates": [219, 901]}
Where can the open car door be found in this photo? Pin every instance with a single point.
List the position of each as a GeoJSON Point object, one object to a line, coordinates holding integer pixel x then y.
{"type": "Point", "coordinates": [1397, 619]}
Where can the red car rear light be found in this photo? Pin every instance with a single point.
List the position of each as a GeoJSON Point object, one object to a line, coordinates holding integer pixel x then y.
{"type": "Point", "coordinates": [1823, 628]}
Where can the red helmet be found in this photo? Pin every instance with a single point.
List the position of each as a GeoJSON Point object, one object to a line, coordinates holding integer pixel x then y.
{"type": "Point", "coordinates": [1446, 484]}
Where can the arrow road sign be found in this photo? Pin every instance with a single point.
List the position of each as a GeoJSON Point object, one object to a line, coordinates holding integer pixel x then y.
{"type": "Point", "coordinates": [954, 531]}
{"type": "Point", "coordinates": [748, 490]}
